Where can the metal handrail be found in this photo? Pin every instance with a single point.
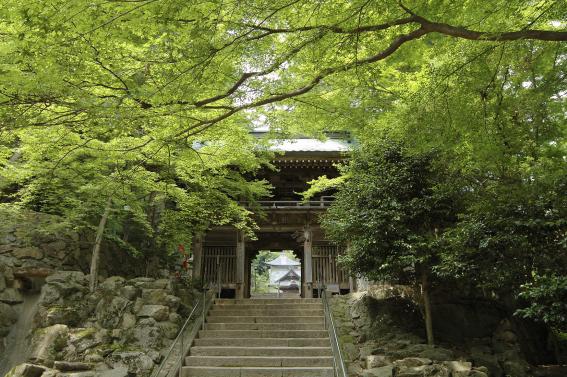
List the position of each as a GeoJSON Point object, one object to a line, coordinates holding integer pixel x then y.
{"type": "Point", "coordinates": [180, 343]}
{"type": "Point", "coordinates": [338, 360]}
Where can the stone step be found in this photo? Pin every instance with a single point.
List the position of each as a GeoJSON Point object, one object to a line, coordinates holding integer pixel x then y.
{"type": "Point", "coordinates": [264, 326]}
{"type": "Point", "coordinates": [258, 361]}
{"type": "Point", "coordinates": [265, 319]}
{"type": "Point", "coordinates": [263, 334]}
{"type": "Point", "coordinates": [256, 372]}
{"type": "Point", "coordinates": [233, 350]}
{"type": "Point", "coordinates": [263, 301]}
{"type": "Point", "coordinates": [313, 306]}
{"type": "Point", "coordinates": [262, 342]}
{"type": "Point", "coordinates": [267, 312]}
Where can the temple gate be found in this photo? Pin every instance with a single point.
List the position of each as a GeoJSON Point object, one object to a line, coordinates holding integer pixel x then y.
{"type": "Point", "coordinates": [222, 256]}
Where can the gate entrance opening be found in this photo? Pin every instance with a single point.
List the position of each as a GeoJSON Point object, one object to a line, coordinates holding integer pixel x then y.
{"type": "Point", "coordinates": [275, 274]}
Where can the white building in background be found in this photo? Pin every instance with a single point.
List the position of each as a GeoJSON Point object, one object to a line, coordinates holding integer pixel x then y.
{"type": "Point", "coordinates": [285, 273]}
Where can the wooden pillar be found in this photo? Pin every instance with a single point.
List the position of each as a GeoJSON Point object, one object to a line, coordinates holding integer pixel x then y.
{"type": "Point", "coordinates": [308, 262]}
{"type": "Point", "coordinates": [240, 264]}
{"type": "Point", "coordinates": [197, 247]}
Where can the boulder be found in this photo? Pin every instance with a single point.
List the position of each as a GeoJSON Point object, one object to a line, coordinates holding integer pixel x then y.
{"type": "Point", "coordinates": [47, 342]}
{"type": "Point", "coordinates": [437, 370]}
{"type": "Point", "coordinates": [11, 296]}
{"type": "Point", "coordinates": [51, 295]}
{"type": "Point", "coordinates": [110, 310]}
{"type": "Point", "coordinates": [58, 245]}
{"type": "Point", "coordinates": [116, 372]}
{"type": "Point", "coordinates": [350, 351]}
{"type": "Point", "coordinates": [175, 318]}
{"type": "Point", "coordinates": [26, 370]}
{"type": "Point", "coordinates": [32, 272]}
{"type": "Point", "coordinates": [515, 367]}
{"type": "Point", "coordinates": [85, 339]}
{"type": "Point", "coordinates": [137, 363]}
{"type": "Point", "coordinates": [410, 372]}
{"type": "Point", "coordinates": [154, 296]}
{"type": "Point", "coordinates": [477, 373]}
{"type": "Point", "coordinates": [384, 371]}
{"type": "Point", "coordinates": [2, 282]}
{"type": "Point", "coordinates": [69, 366]}
{"type": "Point", "coordinates": [8, 316]}
{"type": "Point", "coordinates": [169, 329]}
{"type": "Point", "coordinates": [158, 312]}
{"type": "Point", "coordinates": [112, 284]}
{"type": "Point", "coordinates": [146, 335]}
{"type": "Point", "coordinates": [436, 353]}
{"type": "Point", "coordinates": [489, 361]}
{"type": "Point", "coordinates": [72, 285]}
{"type": "Point", "coordinates": [88, 373]}
{"type": "Point", "coordinates": [458, 366]}
{"type": "Point", "coordinates": [410, 362]}
{"type": "Point", "coordinates": [130, 292]}
{"type": "Point", "coordinates": [375, 361]}
{"type": "Point", "coordinates": [66, 315]}
{"type": "Point", "coordinates": [354, 370]}
{"type": "Point", "coordinates": [172, 301]}
{"type": "Point", "coordinates": [128, 321]}
{"type": "Point", "coordinates": [31, 252]}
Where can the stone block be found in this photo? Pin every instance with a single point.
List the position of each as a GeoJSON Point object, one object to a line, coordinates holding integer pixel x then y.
{"type": "Point", "coordinates": [130, 292]}
{"type": "Point", "coordinates": [154, 296]}
{"type": "Point", "coordinates": [116, 372]}
{"type": "Point", "coordinates": [28, 253]}
{"type": "Point", "coordinates": [458, 366]}
{"type": "Point", "coordinates": [128, 321]}
{"type": "Point", "coordinates": [109, 314]}
{"type": "Point", "coordinates": [384, 371]}
{"type": "Point", "coordinates": [68, 366]}
{"type": "Point", "coordinates": [375, 361]}
{"type": "Point", "coordinates": [477, 373]}
{"type": "Point", "coordinates": [410, 362]}
{"type": "Point", "coordinates": [47, 342]}
{"type": "Point", "coordinates": [137, 363]}
{"type": "Point", "coordinates": [169, 329]}
{"type": "Point", "coordinates": [26, 370]}
{"type": "Point", "coordinates": [112, 284]}
{"type": "Point", "coordinates": [8, 316]}
{"type": "Point", "coordinates": [157, 312]}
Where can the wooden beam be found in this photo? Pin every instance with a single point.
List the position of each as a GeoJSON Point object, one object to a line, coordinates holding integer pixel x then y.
{"type": "Point", "coordinates": [197, 247]}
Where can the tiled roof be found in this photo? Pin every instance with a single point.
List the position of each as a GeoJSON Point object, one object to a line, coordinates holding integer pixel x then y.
{"type": "Point", "coordinates": [283, 260]}
{"type": "Point", "coordinates": [311, 145]}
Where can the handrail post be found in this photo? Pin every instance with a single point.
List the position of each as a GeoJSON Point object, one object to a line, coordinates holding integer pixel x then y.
{"type": "Point", "coordinates": [204, 299]}
{"type": "Point", "coordinates": [181, 353]}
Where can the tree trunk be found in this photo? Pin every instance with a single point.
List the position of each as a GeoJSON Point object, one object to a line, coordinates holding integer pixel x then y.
{"type": "Point", "coordinates": [426, 307]}
{"type": "Point", "coordinates": [96, 248]}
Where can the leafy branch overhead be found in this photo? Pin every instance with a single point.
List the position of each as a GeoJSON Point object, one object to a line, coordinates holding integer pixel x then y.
{"type": "Point", "coordinates": [103, 68]}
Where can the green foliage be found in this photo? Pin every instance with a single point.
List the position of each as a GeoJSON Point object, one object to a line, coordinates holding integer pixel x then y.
{"type": "Point", "coordinates": [390, 211]}
{"type": "Point", "coordinates": [261, 271]}
{"type": "Point", "coordinates": [547, 301]}
{"type": "Point", "coordinates": [151, 103]}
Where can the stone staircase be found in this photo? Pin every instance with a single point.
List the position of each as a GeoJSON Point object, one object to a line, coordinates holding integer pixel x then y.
{"type": "Point", "coordinates": [262, 338]}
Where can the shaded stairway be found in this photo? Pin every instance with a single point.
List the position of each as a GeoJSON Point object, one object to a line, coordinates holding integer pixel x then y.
{"type": "Point", "coordinates": [262, 337]}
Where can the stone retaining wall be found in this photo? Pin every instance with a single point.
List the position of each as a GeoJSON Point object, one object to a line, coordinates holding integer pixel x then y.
{"type": "Point", "coordinates": [120, 330]}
